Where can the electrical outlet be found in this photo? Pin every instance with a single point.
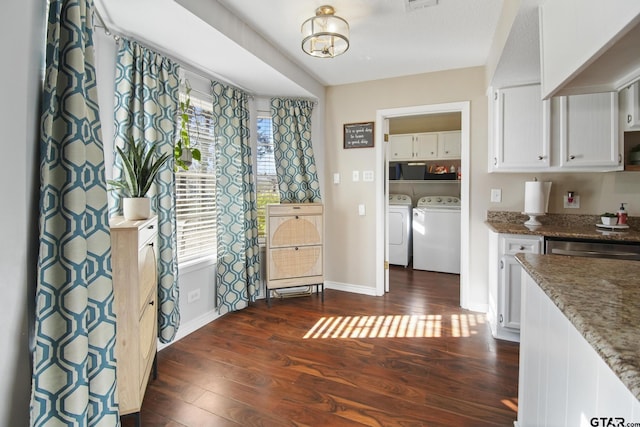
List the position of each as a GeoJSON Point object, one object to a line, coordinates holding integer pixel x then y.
{"type": "Point", "coordinates": [193, 296]}
{"type": "Point", "coordinates": [496, 195]}
{"type": "Point", "coordinates": [356, 176]}
{"type": "Point", "coordinates": [573, 204]}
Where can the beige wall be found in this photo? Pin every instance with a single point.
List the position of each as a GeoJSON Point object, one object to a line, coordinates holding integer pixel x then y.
{"type": "Point", "coordinates": [350, 248]}
{"type": "Point", "coordinates": [350, 240]}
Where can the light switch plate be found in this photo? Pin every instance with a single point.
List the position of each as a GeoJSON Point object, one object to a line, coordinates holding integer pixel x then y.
{"type": "Point", "coordinates": [336, 178]}
{"type": "Point", "coordinates": [496, 195]}
{"type": "Point", "coordinates": [356, 176]}
{"type": "Point", "coordinates": [361, 209]}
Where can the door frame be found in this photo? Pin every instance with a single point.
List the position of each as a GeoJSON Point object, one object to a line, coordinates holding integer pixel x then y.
{"type": "Point", "coordinates": [382, 200]}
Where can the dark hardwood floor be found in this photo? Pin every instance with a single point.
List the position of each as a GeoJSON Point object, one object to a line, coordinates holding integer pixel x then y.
{"type": "Point", "coordinates": [410, 358]}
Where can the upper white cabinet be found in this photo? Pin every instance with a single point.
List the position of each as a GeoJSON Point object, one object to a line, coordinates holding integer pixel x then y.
{"type": "Point", "coordinates": [449, 144]}
{"type": "Point", "coordinates": [424, 146]}
{"type": "Point", "coordinates": [588, 46]}
{"type": "Point", "coordinates": [566, 134]}
{"type": "Point", "coordinates": [521, 131]}
{"type": "Point", "coordinates": [589, 131]}
{"type": "Point", "coordinates": [630, 101]}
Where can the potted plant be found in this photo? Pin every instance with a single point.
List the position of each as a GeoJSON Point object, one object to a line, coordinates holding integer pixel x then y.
{"type": "Point", "coordinates": [140, 168]}
{"type": "Point", "coordinates": [183, 151]}
{"type": "Point", "coordinates": [609, 218]}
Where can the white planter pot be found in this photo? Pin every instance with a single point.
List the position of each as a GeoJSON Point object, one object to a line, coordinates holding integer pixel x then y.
{"type": "Point", "coordinates": [609, 220]}
{"type": "Point", "coordinates": [136, 208]}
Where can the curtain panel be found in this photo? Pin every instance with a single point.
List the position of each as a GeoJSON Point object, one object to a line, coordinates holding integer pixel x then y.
{"type": "Point", "coordinates": [74, 372]}
{"type": "Point", "coordinates": [237, 268]}
{"type": "Point", "coordinates": [293, 151]}
{"type": "Point", "coordinates": [147, 87]}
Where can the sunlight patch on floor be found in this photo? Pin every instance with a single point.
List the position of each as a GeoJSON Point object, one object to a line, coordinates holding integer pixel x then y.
{"type": "Point", "coordinates": [511, 404]}
{"type": "Point", "coordinates": [396, 326]}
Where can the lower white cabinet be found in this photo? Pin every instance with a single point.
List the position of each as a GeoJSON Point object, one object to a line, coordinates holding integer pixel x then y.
{"type": "Point", "coordinates": [562, 379]}
{"type": "Point", "coordinates": [505, 282]}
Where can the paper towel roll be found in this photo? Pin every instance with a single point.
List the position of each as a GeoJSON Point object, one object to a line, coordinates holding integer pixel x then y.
{"type": "Point", "coordinates": [536, 197]}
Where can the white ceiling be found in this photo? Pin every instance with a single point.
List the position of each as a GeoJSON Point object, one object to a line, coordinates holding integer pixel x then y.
{"type": "Point", "coordinates": [386, 39]}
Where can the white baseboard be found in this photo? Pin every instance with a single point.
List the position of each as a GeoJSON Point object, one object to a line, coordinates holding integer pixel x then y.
{"type": "Point", "coordinates": [191, 326]}
{"type": "Point", "coordinates": [479, 308]}
{"type": "Point", "coordinates": [348, 287]}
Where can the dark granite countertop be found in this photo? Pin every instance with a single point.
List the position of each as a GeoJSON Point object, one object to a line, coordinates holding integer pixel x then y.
{"type": "Point", "coordinates": [563, 226]}
{"type": "Point", "coordinates": [601, 298]}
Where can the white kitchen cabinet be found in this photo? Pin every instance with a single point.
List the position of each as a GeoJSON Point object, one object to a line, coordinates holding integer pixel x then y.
{"type": "Point", "coordinates": [520, 130]}
{"type": "Point", "coordinates": [563, 381]}
{"type": "Point", "coordinates": [419, 146]}
{"type": "Point", "coordinates": [630, 102]}
{"type": "Point", "coordinates": [577, 133]}
{"type": "Point", "coordinates": [588, 131]}
{"type": "Point", "coordinates": [506, 282]}
{"type": "Point", "coordinates": [449, 145]}
{"type": "Point", "coordinates": [425, 146]}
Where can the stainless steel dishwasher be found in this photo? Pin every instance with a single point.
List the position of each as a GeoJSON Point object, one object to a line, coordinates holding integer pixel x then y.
{"type": "Point", "coordinates": [593, 248]}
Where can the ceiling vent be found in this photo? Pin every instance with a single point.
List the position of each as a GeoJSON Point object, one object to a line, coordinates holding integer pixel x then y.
{"type": "Point", "coordinates": [412, 5]}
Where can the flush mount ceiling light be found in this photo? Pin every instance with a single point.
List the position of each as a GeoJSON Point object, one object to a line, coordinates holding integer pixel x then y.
{"type": "Point", "coordinates": [325, 35]}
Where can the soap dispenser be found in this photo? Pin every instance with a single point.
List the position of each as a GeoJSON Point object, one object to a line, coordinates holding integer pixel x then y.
{"type": "Point", "coordinates": [622, 215]}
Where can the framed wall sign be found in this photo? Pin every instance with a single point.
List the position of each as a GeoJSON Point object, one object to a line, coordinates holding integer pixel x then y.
{"type": "Point", "coordinates": [358, 135]}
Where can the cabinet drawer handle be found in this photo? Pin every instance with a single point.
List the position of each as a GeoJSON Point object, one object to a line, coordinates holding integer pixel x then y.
{"type": "Point", "coordinates": [629, 118]}
{"type": "Point", "coordinates": [297, 217]}
{"type": "Point", "coordinates": [522, 248]}
{"type": "Point", "coordinates": [501, 319]}
{"type": "Point", "coordinates": [152, 302]}
{"type": "Point", "coordinates": [495, 161]}
{"type": "Point", "coordinates": [150, 244]}
{"type": "Point", "coordinates": [540, 157]}
{"type": "Point", "coordinates": [150, 227]}
{"type": "Point", "coordinates": [572, 157]}
{"type": "Point", "coordinates": [296, 248]}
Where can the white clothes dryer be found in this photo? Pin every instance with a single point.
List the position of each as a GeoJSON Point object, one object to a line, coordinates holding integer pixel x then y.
{"type": "Point", "coordinates": [436, 234]}
{"type": "Point", "coordinates": [399, 220]}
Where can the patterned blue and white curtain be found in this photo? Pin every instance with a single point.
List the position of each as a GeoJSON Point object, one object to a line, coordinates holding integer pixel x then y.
{"type": "Point", "coordinates": [293, 152]}
{"type": "Point", "coordinates": [147, 89]}
{"type": "Point", "coordinates": [237, 273]}
{"type": "Point", "coordinates": [74, 372]}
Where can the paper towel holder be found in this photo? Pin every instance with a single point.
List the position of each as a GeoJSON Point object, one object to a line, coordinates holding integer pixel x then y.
{"type": "Point", "coordinates": [541, 210]}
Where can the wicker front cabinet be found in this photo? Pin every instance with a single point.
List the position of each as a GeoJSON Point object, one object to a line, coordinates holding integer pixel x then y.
{"type": "Point", "coordinates": [135, 288]}
{"type": "Point", "coordinates": [294, 246]}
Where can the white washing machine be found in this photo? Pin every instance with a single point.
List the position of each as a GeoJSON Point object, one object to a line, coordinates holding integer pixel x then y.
{"type": "Point", "coordinates": [399, 220]}
{"type": "Point", "coordinates": [436, 234]}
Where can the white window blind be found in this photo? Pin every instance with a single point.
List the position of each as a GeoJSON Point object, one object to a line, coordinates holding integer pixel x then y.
{"type": "Point", "coordinates": [267, 182]}
{"type": "Point", "coordinates": [196, 187]}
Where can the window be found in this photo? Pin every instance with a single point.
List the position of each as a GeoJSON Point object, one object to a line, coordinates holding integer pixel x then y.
{"type": "Point", "coordinates": [196, 187]}
{"type": "Point", "coordinates": [267, 182]}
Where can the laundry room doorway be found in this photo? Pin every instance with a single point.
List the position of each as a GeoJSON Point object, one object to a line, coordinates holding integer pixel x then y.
{"type": "Point", "coordinates": [384, 158]}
